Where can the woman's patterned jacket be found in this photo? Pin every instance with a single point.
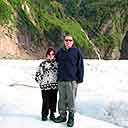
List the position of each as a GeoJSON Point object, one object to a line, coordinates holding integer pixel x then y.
{"type": "Point", "coordinates": [46, 75]}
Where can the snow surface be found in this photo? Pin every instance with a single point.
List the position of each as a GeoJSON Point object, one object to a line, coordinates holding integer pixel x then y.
{"type": "Point", "coordinates": [102, 99]}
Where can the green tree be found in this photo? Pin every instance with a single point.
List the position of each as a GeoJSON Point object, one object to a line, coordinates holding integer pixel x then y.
{"type": "Point", "coordinates": [5, 12]}
{"type": "Point", "coordinates": [99, 12]}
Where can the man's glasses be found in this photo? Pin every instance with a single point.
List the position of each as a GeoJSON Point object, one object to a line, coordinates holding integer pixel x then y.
{"type": "Point", "coordinates": [68, 40]}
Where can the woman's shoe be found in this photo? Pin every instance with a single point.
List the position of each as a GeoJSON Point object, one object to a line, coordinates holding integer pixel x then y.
{"type": "Point", "coordinates": [52, 117]}
{"type": "Point", "coordinates": [60, 119]}
{"type": "Point", "coordinates": [44, 118]}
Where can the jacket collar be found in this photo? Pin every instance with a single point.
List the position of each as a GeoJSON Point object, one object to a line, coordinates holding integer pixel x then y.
{"type": "Point", "coordinates": [66, 50]}
{"type": "Point", "coordinates": [50, 61]}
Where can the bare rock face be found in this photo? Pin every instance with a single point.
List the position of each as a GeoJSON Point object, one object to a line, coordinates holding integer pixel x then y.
{"type": "Point", "coordinates": [16, 46]}
{"type": "Point", "coordinates": [8, 45]}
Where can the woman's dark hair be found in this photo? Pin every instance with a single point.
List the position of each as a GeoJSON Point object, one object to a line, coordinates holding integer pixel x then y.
{"type": "Point", "coordinates": [49, 50]}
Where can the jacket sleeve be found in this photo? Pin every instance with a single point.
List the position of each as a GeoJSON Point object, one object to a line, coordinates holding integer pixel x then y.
{"type": "Point", "coordinates": [80, 70]}
{"type": "Point", "coordinates": [39, 73]}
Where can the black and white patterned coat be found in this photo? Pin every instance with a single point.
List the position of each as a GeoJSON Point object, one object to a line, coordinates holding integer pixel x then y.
{"type": "Point", "coordinates": [46, 75]}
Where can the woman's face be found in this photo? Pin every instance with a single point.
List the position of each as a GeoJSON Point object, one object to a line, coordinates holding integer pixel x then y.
{"type": "Point", "coordinates": [51, 55]}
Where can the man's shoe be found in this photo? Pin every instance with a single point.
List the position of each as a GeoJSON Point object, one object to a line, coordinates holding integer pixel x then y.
{"type": "Point", "coordinates": [70, 122]}
{"type": "Point", "coordinates": [44, 118]}
{"type": "Point", "coordinates": [60, 119]}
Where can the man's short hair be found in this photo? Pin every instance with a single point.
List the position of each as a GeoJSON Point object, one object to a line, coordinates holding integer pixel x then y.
{"type": "Point", "coordinates": [67, 34]}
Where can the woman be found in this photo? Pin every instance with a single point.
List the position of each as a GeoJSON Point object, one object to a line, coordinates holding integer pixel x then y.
{"type": "Point", "coordinates": [46, 76]}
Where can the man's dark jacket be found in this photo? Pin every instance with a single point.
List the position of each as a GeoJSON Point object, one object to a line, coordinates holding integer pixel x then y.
{"type": "Point", "coordinates": [70, 65]}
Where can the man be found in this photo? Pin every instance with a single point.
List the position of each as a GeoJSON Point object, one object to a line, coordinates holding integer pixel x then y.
{"type": "Point", "coordinates": [124, 48]}
{"type": "Point", "coordinates": [70, 73]}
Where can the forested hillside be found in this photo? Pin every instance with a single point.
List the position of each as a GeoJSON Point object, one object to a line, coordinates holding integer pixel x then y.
{"type": "Point", "coordinates": [28, 27]}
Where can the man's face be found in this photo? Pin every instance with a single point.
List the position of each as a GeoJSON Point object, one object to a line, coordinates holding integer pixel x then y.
{"type": "Point", "coordinates": [68, 42]}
